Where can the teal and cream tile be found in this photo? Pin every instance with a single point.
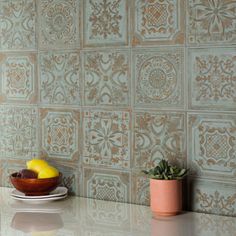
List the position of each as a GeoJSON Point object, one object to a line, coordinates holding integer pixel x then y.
{"type": "Point", "coordinates": [211, 76]}
{"type": "Point", "coordinates": [18, 25]}
{"type": "Point", "coordinates": [105, 22]}
{"type": "Point", "coordinates": [212, 145]}
{"type": "Point", "coordinates": [19, 132]}
{"type": "Point", "coordinates": [60, 134]}
{"type": "Point", "coordinates": [156, 136]}
{"type": "Point", "coordinates": [212, 197]}
{"type": "Point", "coordinates": [18, 77]}
{"type": "Point", "coordinates": [110, 185]}
{"type": "Point", "coordinates": [107, 138]}
{"type": "Point", "coordinates": [158, 76]}
{"type": "Point", "coordinates": [106, 77]}
{"type": "Point", "coordinates": [60, 78]}
{"type": "Point", "coordinates": [211, 22]}
{"type": "Point", "coordinates": [59, 24]}
{"type": "Point", "coordinates": [158, 22]}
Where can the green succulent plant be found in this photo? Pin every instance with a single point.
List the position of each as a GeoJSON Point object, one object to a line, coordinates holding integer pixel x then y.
{"type": "Point", "coordinates": [165, 171]}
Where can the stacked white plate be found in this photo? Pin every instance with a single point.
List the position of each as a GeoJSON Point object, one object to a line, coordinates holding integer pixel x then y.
{"type": "Point", "coordinates": [57, 194]}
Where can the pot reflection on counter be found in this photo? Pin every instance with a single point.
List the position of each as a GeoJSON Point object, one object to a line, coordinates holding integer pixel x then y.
{"type": "Point", "coordinates": [38, 224]}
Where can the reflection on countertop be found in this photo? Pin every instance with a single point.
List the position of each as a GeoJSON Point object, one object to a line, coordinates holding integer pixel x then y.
{"type": "Point", "coordinates": [88, 217]}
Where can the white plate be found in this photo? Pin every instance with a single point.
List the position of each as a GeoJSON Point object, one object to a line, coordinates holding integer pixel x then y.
{"type": "Point", "coordinates": [39, 200]}
{"type": "Point", "coordinates": [59, 191]}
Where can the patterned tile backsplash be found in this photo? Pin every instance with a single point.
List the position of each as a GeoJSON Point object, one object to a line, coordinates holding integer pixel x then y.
{"type": "Point", "coordinates": [105, 88]}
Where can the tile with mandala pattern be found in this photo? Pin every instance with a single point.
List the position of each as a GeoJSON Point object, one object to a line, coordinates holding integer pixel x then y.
{"type": "Point", "coordinates": [157, 136]}
{"type": "Point", "coordinates": [60, 134]}
{"type": "Point", "coordinates": [158, 77]}
{"type": "Point", "coordinates": [140, 193]}
{"type": "Point", "coordinates": [105, 22]}
{"type": "Point", "coordinates": [59, 78]}
{"type": "Point", "coordinates": [108, 185]}
{"type": "Point", "coordinates": [158, 22]}
{"type": "Point", "coordinates": [19, 132]}
{"type": "Point", "coordinates": [58, 23]}
{"type": "Point", "coordinates": [18, 77]}
{"type": "Point", "coordinates": [106, 78]}
{"type": "Point", "coordinates": [7, 167]}
{"type": "Point", "coordinates": [207, 225]}
{"type": "Point", "coordinates": [212, 74]}
{"type": "Point", "coordinates": [212, 197]}
{"type": "Point", "coordinates": [106, 138]}
{"type": "Point", "coordinates": [17, 24]}
{"type": "Point", "coordinates": [211, 21]}
{"type": "Point", "coordinates": [212, 145]}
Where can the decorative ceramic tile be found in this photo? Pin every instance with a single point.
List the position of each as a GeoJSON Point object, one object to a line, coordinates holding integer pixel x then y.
{"type": "Point", "coordinates": [18, 77]}
{"type": "Point", "coordinates": [106, 75]}
{"type": "Point", "coordinates": [107, 139]}
{"type": "Point", "coordinates": [59, 23]}
{"type": "Point", "coordinates": [158, 22]}
{"type": "Point", "coordinates": [18, 129]}
{"type": "Point", "coordinates": [212, 146]}
{"type": "Point", "coordinates": [213, 197]}
{"type": "Point", "coordinates": [207, 225]}
{"type": "Point", "coordinates": [59, 78]}
{"type": "Point", "coordinates": [60, 133]}
{"type": "Point", "coordinates": [158, 75]}
{"type": "Point", "coordinates": [212, 75]}
{"type": "Point", "coordinates": [17, 24]}
{"type": "Point", "coordinates": [211, 21]}
{"type": "Point", "coordinates": [107, 185]}
{"type": "Point", "coordinates": [140, 193]}
{"type": "Point", "coordinates": [158, 136]}
{"type": "Point", "coordinates": [105, 22]}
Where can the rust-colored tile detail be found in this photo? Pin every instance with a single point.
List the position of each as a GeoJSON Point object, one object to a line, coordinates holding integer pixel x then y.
{"type": "Point", "coordinates": [158, 22]}
{"type": "Point", "coordinates": [60, 130]}
{"type": "Point", "coordinates": [157, 136]}
{"type": "Point", "coordinates": [211, 22]}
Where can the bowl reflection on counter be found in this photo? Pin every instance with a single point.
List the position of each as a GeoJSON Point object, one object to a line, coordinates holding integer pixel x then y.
{"type": "Point", "coordinates": [34, 222]}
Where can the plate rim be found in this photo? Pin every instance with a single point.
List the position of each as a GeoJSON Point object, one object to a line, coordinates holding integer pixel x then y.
{"type": "Point", "coordinates": [63, 192]}
{"type": "Point", "coordinates": [40, 199]}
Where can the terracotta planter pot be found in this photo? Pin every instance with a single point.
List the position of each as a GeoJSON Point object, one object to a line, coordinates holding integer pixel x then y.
{"type": "Point", "coordinates": [166, 197]}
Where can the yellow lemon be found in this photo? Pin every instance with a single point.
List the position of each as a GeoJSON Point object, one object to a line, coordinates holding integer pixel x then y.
{"type": "Point", "coordinates": [36, 165]}
{"type": "Point", "coordinates": [48, 172]}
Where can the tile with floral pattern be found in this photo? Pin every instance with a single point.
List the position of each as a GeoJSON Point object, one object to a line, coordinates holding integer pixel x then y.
{"type": "Point", "coordinates": [59, 78]}
{"type": "Point", "coordinates": [105, 22]}
{"type": "Point", "coordinates": [212, 145]}
{"type": "Point", "coordinates": [19, 132]}
{"type": "Point", "coordinates": [60, 134]}
{"type": "Point", "coordinates": [108, 185]}
{"type": "Point", "coordinates": [158, 22]}
{"type": "Point", "coordinates": [17, 24]}
{"type": "Point", "coordinates": [58, 23]}
{"type": "Point", "coordinates": [18, 77]}
{"type": "Point", "coordinates": [211, 21]}
{"type": "Point", "coordinates": [158, 77]}
{"type": "Point", "coordinates": [106, 138]}
{"type": "Point", "coordinates": [106, 77]}
{"type": "Point", "coordinates": [212, 82]}
{"type": "Point", "coordinates": [156, 136]}
{"type": "Point", "coordinates": [213, 197]}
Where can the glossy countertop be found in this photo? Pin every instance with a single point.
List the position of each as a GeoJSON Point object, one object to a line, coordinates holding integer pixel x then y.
{"type": "Point", "coordinates": [88, 217]}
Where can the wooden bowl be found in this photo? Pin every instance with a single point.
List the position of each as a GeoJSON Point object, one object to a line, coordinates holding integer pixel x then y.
{"type": "Point", "coordinates": [35, 187]}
